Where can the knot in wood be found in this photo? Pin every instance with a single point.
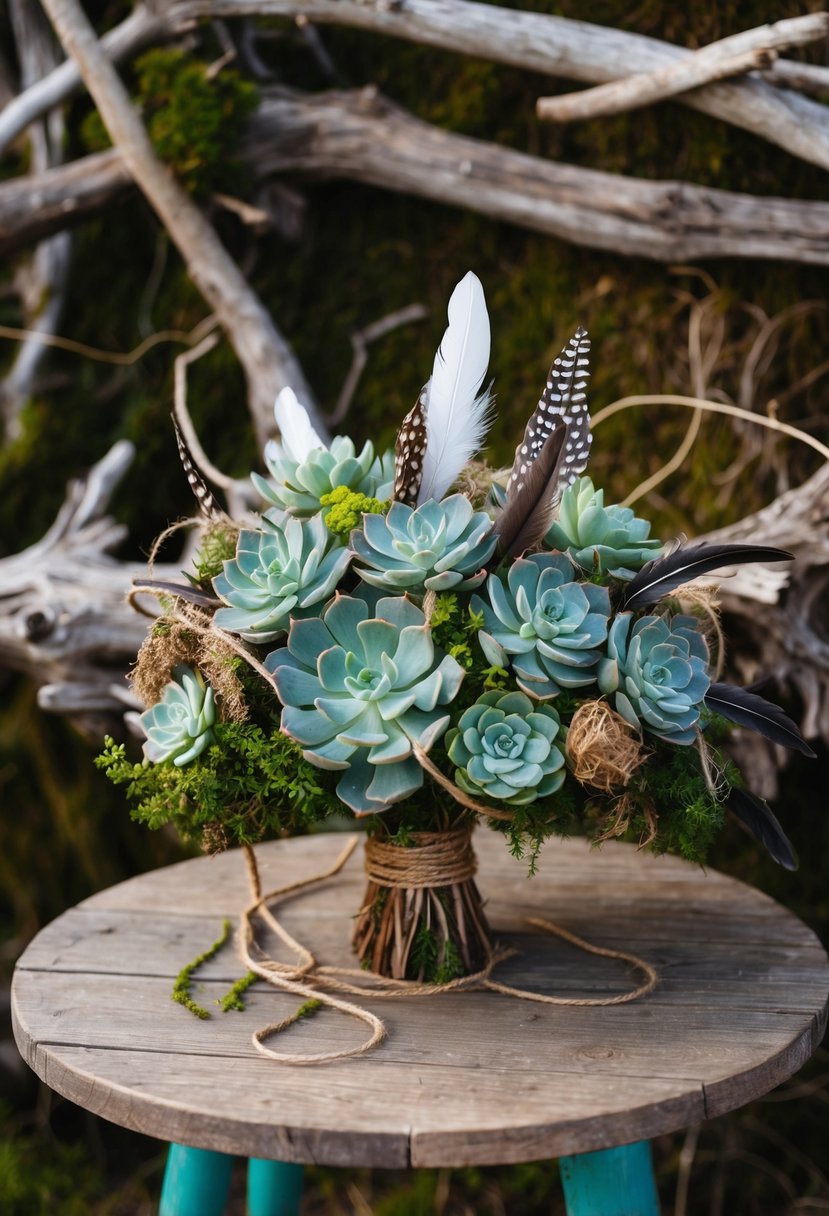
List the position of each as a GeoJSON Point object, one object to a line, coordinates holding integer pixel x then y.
{"type": "Point", "coordinates": [435, 859]}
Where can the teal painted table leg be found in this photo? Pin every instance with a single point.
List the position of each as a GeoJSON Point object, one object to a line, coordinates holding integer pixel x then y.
{"type": "Point", "coordinates": [196, 1182]}
{"type": "Point", "coordinates": [612, 1182]}
{"type": "Point", "coordinates": [274, 1188]}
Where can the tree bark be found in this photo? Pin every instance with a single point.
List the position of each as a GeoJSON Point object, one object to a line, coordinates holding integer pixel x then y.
{"type": "Point", "coordinates": [268, 361]}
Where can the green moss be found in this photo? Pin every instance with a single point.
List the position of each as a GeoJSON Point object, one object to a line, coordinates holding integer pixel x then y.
{"type": "Point", "coordinates": [346, 509]}
{"type": "Point", "coordinates": [182, 986]}
{"type": "Point", "coordinates": [234, 999]}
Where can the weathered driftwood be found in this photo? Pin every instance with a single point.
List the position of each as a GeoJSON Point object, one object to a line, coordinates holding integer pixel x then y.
{"type": "Point", "coordinates": [268, 361]}
{"type": "Point", "coordinates": [788, 642]}
{"type": "Point", "coordinates": [364, 137]}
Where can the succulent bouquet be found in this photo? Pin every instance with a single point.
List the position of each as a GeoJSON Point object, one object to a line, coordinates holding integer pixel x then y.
{"type": "Point", "coordinates": [417, 638]}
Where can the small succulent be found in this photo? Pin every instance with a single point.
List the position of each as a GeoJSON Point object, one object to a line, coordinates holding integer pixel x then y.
{"type": "Point", "coordinates": [504, 747]}
{"type": "Point", "coordinates": [656, 674]}
{"type": "Point", "coordinates": [278, 574]}
{"type": "Point", "coordinates": [599, 539]}
{"type": "Point", "coordinates": [179, 726]}
{"type": "Point", "coordinates": [438, 546]}
{"type": "Point", "coordinates": [547, 626]}
{"type": "Point", "coordinates": [359, 691]}
{"type": "Point", "coordinates": [298, 485]}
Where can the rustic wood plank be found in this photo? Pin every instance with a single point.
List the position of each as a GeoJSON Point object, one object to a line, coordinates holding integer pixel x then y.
{"type": "Point", "coordinates": [468, 1078]}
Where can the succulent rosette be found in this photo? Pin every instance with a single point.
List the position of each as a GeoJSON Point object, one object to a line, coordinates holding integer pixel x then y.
{"type": "Point", "coordinates": [359, 691]}
{"type": "Point", "coordinates": [599, 539]}
{"type": "Point", "coordinates": [504, 746]}
{"type": "Point", "coordinates": [656, 674]}
{"type": "Point", "coordinates": [179, 726]}
{"type": "Point", "coordinates": [439, 546]}
{"type": "Point", "coordinates": [297, 486]}
{"type": "Point", "coordinates": [277, 574]}
{"type": "Point", "coordinates": [548, 627]}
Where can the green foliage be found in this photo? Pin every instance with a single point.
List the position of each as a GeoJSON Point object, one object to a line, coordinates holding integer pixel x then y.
{"type": "Point", "coordinates": [182, 986]}
{"type": "Point", "coordinates": [194, 121]}
{"type": "Point", "coordinates": [672, 786]}
{"type": "Point", "coordinates": [235, 998]}
{"type": "Point", "coordinates": [250, 784]}
{"type": "Point", "coordinates": [217, 546]}
{"type": "Point", "coordinates": [347, 508]}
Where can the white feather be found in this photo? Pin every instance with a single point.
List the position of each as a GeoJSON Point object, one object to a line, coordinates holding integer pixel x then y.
{"type": "Point", "coordinates": [297, 434]}
{"type": "Point", "coordinates": [457, 412]}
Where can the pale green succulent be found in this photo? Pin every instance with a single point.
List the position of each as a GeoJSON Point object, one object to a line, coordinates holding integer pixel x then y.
{"type": "Point", "coordinates": [179, 726]}
{"type": "Point", "coordinates": [599, 539]}
{"type": "Point", "coordinates": [276, 575]}
{"type": "Point", "coordinates": [546, 626]}
{"type": "Point", "coordinates": [504, 746]}
{"type": "Point", "coordinates": [298, 486]}
{"type": "Point", "coordinates": [360, 690]}
{"type": "Point", "coordinates": [656, 674]}
{"type": "Point", "coordinates": [438, 546]}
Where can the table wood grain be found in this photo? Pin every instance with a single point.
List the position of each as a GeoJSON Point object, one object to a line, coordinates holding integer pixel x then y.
{"type": "Point", "coordinates": [467, 1078]}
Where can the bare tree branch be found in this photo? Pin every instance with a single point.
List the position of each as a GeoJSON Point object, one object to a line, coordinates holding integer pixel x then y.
{"type": "Point", "coordinates": [555, 46]}
{"type": "Point", "coordinates": [538, 42]}
{"type": "Point", "coordinates": [731, 56]}
{"type": "Point", "coordinates": [362, 136]}
{"type": "Point", "coordinates": [268, 362]}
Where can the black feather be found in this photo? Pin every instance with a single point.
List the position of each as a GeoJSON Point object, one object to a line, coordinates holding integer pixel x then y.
{"type": "Point", "coordinates": [747, 709]}
{"type": "Point", "coordinates": [663, 575]}
{"type": "Point", "coordinates": [192, 594]}
{"type": "Point", "coordinates": [758, 817]}
{"type": "Point", "coordinates": [208, 505]}
{"type": "Point", "coordinates": [528, 510]}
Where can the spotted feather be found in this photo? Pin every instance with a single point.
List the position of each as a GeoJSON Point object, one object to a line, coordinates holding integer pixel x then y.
{"type": "Point", "coordinates": [409, 451]}
{"type": "Point", "coordinates": [564, 398]}
{"type": "Point", "coordinates": [208, 505]}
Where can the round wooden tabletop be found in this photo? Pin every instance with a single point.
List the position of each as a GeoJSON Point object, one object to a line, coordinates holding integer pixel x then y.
{"type": "Point", "coordinates": [464, 1078]}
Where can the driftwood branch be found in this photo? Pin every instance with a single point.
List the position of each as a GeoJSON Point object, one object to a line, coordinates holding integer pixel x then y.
{"type": "Point", "coordinates": [361, 136]}
{"type": "Point", "coordinates": [537, 42]}
{"type": "Point", "coordinates": [266, 358]}
{"type": "Point", "coordinates": [554, 46]}
{"type": "Point", "coordinates": [731, 56]}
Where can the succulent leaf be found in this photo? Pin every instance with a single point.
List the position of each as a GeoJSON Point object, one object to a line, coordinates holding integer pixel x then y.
{"type": "Point", "coordinates": [599, 539]}
{"type": "Point", "coordinates": [278, 574]}
{"type": "Point", "coordinates": [504, 746]}
{"type": "Point", "coordinates": [547, 626]}
{"type": "Point", "coordinates": [439, 546]}
{"type": "Point", "coordinates": [656, 674]}
{"type": "Point", "coordinates": [179, 726]}
{"type": "Point", "coordinates": [359, 690]}
{"type": "Point", "coordinates": [297, 485]}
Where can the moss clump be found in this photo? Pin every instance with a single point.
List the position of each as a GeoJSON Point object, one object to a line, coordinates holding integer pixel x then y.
{"type": "Point", "coordinates": [182, 987]}
{"type": "Point", "coordinates": [346, 509]}
{"type": "Point", "coordinates": [194, 120]}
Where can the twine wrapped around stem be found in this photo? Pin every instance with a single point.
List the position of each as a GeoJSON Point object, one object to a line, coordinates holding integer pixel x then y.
{"type": "Point", "coordinates": [310, 980]}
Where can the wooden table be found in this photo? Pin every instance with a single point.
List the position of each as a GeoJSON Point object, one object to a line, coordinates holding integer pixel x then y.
{"type": "Point", "coordinates": [468, 1078]}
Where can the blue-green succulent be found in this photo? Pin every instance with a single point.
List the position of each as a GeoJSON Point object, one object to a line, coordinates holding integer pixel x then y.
{"type": "Point", "coordinates": [656, 674]}
{"type": "Point", "coordinates": [599, 539]}
{"type": "Point", "coordinates": [360, 690]}
{"type": "Point", "coordinates": [438, 546]}
{"type": "Point", "coordinates": [547, 626]}
{"type": "Point", "coordinates": [505, 747]}
{"type": "Point", "coordinates": [297, 486]}
{"type": "Point", "coordinates": [179, 726]}
{"type": "Point", "coordinates": [278, 574]}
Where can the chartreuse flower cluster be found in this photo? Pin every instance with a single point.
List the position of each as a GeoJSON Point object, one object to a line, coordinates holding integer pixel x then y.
{"type": "Point", "coordinates": [422, 655]}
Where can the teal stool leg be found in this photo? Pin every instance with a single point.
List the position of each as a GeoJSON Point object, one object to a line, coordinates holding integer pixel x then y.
{"type": "Point", "coordinates": [612, 1182]}
{"type": "Point", "coordinates": [196, 1182]}
{"type": "Point", "coordinates": [274, 1188]}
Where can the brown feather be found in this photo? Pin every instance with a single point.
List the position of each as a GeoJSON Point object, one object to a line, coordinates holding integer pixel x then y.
{"type": "Point", "coordinates": [531, 497]}
{"type": "Point", "coordinates": [409, 451]}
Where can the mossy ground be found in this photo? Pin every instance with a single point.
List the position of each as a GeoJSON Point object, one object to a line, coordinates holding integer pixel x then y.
{"type": "Point", "coordinates": [363, 254]}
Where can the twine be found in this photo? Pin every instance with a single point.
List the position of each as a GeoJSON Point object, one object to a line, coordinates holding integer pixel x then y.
{"type": "Point", "coordinates": [437, 859]}
{"type": "Point", "coordinates": [310, 980]}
